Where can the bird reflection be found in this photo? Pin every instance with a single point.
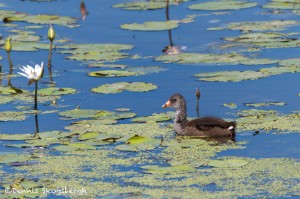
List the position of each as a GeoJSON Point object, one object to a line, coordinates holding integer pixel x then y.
{"type": "Point", "coordinates": [83, 10]}
{"type": "Point", "coordinates": [197, 101]}
{"type": "Point", "coordinates": [171, 49]}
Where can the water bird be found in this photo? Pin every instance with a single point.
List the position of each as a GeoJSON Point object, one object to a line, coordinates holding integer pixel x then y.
{"type": "Point", "coordinates": [204, 126]}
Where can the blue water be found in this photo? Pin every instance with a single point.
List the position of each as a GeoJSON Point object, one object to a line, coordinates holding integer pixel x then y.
{"type": "Point", "coordinates": [102, 26]}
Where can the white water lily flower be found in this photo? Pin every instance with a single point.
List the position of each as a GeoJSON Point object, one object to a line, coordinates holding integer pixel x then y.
{"type": "Point", "coordinates": [33, 74]}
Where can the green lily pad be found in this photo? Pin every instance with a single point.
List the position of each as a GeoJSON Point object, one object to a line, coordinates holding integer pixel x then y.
{"type": "Point", "coordinates": [85, 113]}
{"type": "Point", "coordinates": [51, 135]}
{"type": "Point", "coordinates": [146, 69]}
{"type": "Point", "coordinates": [228, 163]}
{"type": "Point", "coordinates": [230, 76]}
{"type": "Point", "coordinates": [29, 46]}
{"type": "Point", "coordinates": [290, 62]}
{"type": "Point", "coordinates": [74, 146]}
{"type": "Point", "coordinates": [255, 113]}
{"type": "Point", "coordinates": [9, 90]}
{"type": "Point", "coordinates": [274, 25]}
{"type": "Point", "coordinates": [114, 73]}
{"type": "Point", "coordinates": [265, 104]}
{"type": "Point", "coordinates": [5, 99]}
{"type": "Point", "coordinates": [6, 159]}
{"type": "Point", "coordinates": [285, 5]}
{"type": "Point", "coordinates": [151, 26]}
{"type": "Point", "coordinates": [222, 5]}
{"type": "Point", "coordinates": [259, 61]}
{"type": "Point", "coordinates": [56, 91]}
{"type": "Point", "coordinates": [156, 117]}
{"type": "Point", "coordinates": [16, 136]}
{"type": "Point", "coordinates": [197, 58]}
{"type": "Point", "coordinates": [139, 139]}
{"type": "Point", "coordinates": [88, 135]}
{"type": "Point", "coordinates": [124, 86]}
{"type": "Point", "coordinates": [168, 170]}
{"type": "Point", "coordinates": [280, 70]}
{"type": "Point", "coordinates": [230, 105]}
{"type": "Point", "coordinates": [95, 52]}
{"type": "Point", "coordinates": [42, 19]}
{"type": "Point", "coordinates": [11, 116]}
{"type": "Point", "coordinates": [139, 143]}
{"type": "Point", "coordinates": [151, 5]}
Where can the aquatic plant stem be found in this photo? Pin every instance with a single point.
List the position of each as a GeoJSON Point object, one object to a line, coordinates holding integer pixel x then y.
{"type": "Point", "coordinates": [50, 54]}
{"type": "Point", "coordinates": [36, 125]}
{"type": "Point", "coordinates": [35, 95]}
{"type": "Point", "coordinates": [9, 60]}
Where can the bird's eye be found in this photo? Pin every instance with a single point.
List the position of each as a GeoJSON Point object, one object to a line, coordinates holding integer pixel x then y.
{"type": "Point", "coordinates": [173, 100]}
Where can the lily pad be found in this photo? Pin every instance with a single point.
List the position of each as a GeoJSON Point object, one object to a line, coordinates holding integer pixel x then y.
{"type": "Point", "coordinates": [85, 113]}
{"type": "Point", "coordinates": [16, 136]}
{"type": "Point", "coordinates": [124, 86]}
{"type": "Point", "coordinates": [151, 26]}
{"type": "Point", "coordinates": [5, 99]}
{"type": "Point", "coordinates": [274, 25]}
{"type": "Point", "coordinates": [42, 19]}
{"type": "Point", "coordinates": [95, 52]}
{"type": "Point", "coordinates": [151, 5]}
{"type": "Point", "coordinates": [265, 104]}
{"type": "Point", "coordinates": [228, 163]}
{"type": "Point", "coordinates": [290, 62]}
{"type": "Point", "coordinates": [223, 5]}
{"type": "Point", "coordinates": [198, 58]}
{"type": "Point", "coordinates": [230, 105]}
{"type": "Point", "coordinates": [6, 159]}
{"type": "Point", "coordinates": [74, 146]}
{"type": "Point", "coordinates": [88, 135]}
{"type": "Point", "coordinates": [56, 91]}
{"type": "Point", "coordinates": [230, 76]}
{"type": "Point", "coordinates": [156, 117]}
{"type": "Point", "coordinates": [114, 73]}
{"type": "Point", "coordinates": [168, 170]}
{"type": "Point", "coordinates": [11, 116]}
{"type": "Point", "coordinates": [284, 5]}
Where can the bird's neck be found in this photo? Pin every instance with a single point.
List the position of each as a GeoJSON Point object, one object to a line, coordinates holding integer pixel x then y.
{"type": "Point", "coordinates": [180, 120]}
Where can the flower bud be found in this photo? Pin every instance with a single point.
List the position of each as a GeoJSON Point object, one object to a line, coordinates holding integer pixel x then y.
{"type": "Point", "coordinates": [51, 33]}
{"type": "Point", "coordinates": [8, 44]}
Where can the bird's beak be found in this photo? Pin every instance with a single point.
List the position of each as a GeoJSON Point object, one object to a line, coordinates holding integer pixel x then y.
{"type": "Point", "coordinates": [167, 104]}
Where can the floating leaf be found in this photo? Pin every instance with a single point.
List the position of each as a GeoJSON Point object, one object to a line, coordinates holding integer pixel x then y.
{"type": "Point", "coordinates": [230, 76]}
{"type": "Point", "coordinates": [280, 4]}
{"type": "Point", "coordinates": [74, 146]}
{"type": "Point", "coordinates": [42, 19]}
{"type": "Point", "coordinates": [290, 62]}
{"type": "Point", "coordinates": [228, 163]}
{"type": "Point", "coordinates": [56, 91]}
{"type": "Point", "coordinates": [124, 86]}
{"type": "Point", "coordinates": [230, 105]}
{"type": "Point", "coordinates": [6, 159]}
{"type": "Point", "coordinates": [274, 25]}
{"type": "Point", "coordinates": [222, 5]}
{"type": "Point", "coordinates": [156, 117]}
{"type": "Point", "coordinates": [197, 58]}
{"type": "Point", "coordinates": [265, 104]}
{"type": "Point", "coordinates": [88, 135]}
{"type": "Point", "coordinates": [141, 5]}
{"type": "Point", "coordinates": [16, 136]}
{"type": "Point", "coordinates": [5, 99]}
{"type": "Point", "coordinates": [85, 113]}
{"type": "Point", "coordinates": [114, 73]}
{"type": "Point", "coordinates": [168, 170]}
{"type": "Point", "coordinates": [97, 52]}
{"type": "Point", "coordinates": [139, 139]}
{"type": "Point", "coordinates": [151, 26]}
{"type": "Point", "coordinates": [11, 116]}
